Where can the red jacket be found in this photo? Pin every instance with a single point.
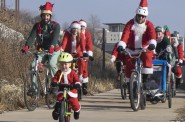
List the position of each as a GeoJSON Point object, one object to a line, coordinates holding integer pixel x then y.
{"type": "Point", "coordinates": [180, 52]}
{"type": "Point", "coordinates": [130, 37]}
{"type": "Point", "coordinates": [67, 44]}
{"type": "Point", "coordinates": [69, 77]}
{"type": "Point", "coordinates": [115, 53]}
{"type": "Point", "coordinates": [89, 44]}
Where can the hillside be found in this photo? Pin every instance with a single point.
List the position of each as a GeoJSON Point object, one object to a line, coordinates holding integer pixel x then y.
{"type": "Point", "coordinates": [14, 65]}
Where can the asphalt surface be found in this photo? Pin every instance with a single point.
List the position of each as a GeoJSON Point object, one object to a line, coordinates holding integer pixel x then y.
{"type": "Point", "coordinates": [105, 107]}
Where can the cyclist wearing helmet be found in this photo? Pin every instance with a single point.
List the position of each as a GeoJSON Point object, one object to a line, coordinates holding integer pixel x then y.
{"type": "Point", "coordinates": [65, 75]}
{"type": "Point", "coordinates": [139, 33]}
{"type": "Point", "coordinates": [46, 34]}
{"type": "Point", "coordinates": [89, 49]}
{"type": "Point", "coordinates": [163, 43]}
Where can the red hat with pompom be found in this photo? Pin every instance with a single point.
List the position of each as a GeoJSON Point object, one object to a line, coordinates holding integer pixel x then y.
{"type": "Point", "coordinates": [47, 8]}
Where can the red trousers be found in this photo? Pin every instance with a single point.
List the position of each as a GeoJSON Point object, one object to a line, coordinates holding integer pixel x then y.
{"type": "Point", "coordinates": [178, 74]}
{"type": "Point", "coordinates": [72, 101]}
{"type": "Point", "coordinates": [146, 58]}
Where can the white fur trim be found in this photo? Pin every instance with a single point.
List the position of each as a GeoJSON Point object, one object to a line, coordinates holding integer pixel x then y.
{"type": "Point", "coordinates": [122, 43]}
{"type": "Point", "coordinates": [75, 25]}
{"type": "Point", "coordinates": [78, 109]}
{"type": "Point", "coordinates": [178, 76]}
{"type": "Point", "coordinates": [180, 61]}
{"type": "Point", "coordinates": [176, 42]}
{"type": "Point", "coordinates": [147, 71]}
{"type": "Point", "coordinates": [46, 12]}
{"type": "Point", "coordinates": [153, 41]}
{"type": "Point", "coordinates": [81, 78]}
{"type": "Point", "coordinates": [90, 53]}
{"type": "Point", "coordinates": [113, 58]}
{"type": "Point", "coordinates": [71, 94]}
{"type": "Point", "coordinates": [82, 23]}
{"type": "Point", "coordinates": [142, 11]}
{"type": "Point", "coordinates": [85, 80]}
{"type": "Point", "coordinates": [139, 30]}
{"type": "Point", "coordinates": [65, 76]}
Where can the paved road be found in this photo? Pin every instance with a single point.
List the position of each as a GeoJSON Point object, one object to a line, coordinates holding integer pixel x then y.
{"type": "Point", "coordinates": [105, 107]}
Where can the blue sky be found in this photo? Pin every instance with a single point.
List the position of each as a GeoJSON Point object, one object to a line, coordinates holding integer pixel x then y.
{"type": "Point", "coordinates": [161, 12]}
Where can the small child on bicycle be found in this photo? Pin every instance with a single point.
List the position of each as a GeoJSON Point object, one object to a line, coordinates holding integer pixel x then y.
{"type": "Point", "coordinates": [65, 75]}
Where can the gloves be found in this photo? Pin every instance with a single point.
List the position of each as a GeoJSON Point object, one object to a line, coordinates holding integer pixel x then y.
{"type": "Point", "coordinates": [85, 55]}
{"type": "Point", "coordinates": [51, 49]}
{"type": "Point", "coordinates": [151, 47]}
{"type": "Point", "coordinates": [91, 58]}
{"type": "Point", "coordinates": [54, 84]}
{"type": "Point", "coordinates": [25, 49]}
{"type": "Point", "coordinates": [120, 48]}
{"type": "Point", "coordinates": [113, 59]}
{"type": "Point", "coordinates": [75, 86]}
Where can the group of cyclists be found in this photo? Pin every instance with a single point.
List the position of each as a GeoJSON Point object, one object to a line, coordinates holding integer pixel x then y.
{"type": "Point", "coordinates": [76, 43]}
{"type": "Point", "coordinates": [139, 33]}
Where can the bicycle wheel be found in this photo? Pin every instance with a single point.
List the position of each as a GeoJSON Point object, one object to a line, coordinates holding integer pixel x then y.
{"type": "Point", "coordinates": [123, 86]}
{"type": "Point", "coordinates": [62, 112]}
{"type": "Point", "coordinates": [135, 92]}
{"type": "Point", "coordinates": [68, 113]}
{"type": "Point", "coordinates": [31, 101]}
{"type": "Point", "coordinates": [50, 97]}
{"type": "Point", "coordinates": [143, 101]}
{"type": "Point", "coordinates": [169, 96]}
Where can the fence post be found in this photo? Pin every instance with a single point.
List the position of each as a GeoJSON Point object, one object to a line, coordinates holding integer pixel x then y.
{"type": "Point", "coordinates": [103, 48]}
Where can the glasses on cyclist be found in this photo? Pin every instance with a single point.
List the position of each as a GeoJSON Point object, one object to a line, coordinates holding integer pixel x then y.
{"type": "Point", "coordinates": [140, 16]}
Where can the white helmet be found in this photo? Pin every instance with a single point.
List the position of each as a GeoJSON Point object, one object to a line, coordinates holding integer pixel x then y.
{"type": "Point", "coordinates": [143, 8]}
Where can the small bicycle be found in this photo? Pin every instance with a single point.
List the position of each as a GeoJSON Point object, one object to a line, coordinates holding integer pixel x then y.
{"type": "Point", "coordinates": [137, 96]}
{"type": "Point", "coordinates": [65, 109]}
{"type": "Point", "coordinates": [41, 84]}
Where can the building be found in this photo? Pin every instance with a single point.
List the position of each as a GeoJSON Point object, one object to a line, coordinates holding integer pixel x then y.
{"type": "Point", "coordinates": [113, 35]}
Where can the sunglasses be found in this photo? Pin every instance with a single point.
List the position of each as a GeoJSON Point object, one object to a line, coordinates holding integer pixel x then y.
{"type": "Point", "coordinates": [140, 16]}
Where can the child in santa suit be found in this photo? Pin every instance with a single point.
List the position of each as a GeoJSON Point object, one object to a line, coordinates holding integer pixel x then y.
{"type": "Point", "coordinates": [65, 75]}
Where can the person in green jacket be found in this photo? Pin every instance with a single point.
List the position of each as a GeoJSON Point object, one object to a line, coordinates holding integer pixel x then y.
{"type": "Point", "coordinates": [45, 36]}
{"type": "Point", "coordinates": [163, 44]}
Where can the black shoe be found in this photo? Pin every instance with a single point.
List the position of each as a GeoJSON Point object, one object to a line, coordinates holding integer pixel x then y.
{"type": "Point", "coordinates": [55, 115]}
{"type": "Point", "coordinates": [76, 115]}
{"type": "Point", "coordinates": [84, 88]}
{"type": "Point", "coordinates": [31, 92]}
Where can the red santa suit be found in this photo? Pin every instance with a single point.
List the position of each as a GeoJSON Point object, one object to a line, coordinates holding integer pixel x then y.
{"type": "Point", "coordinates": [136, 36]}
{"type": "Point", "coordinates": [178, 74]}
{"type": "Point", "coordinates": [116, 56]}
{"type": "Point", "coordinates": [69, 77]}
{"type": "Point", "coordinates": [89, 49]}
{"type": "Point", "coordinates": [76, 47]}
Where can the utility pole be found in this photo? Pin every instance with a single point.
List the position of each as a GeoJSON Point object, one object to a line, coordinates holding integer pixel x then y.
{"type": "Point", "coordinates": [103, 48]}
{"type": "Point", "coordinates": [17, 11]}
{"type": "Point", "coordinates": [2, 5]}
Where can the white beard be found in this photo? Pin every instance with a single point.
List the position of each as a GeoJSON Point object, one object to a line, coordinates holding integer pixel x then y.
{"type": "Point", "coordinates": [139, 30]}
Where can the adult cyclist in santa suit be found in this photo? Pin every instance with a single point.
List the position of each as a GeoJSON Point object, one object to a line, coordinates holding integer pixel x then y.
{"type": "Point", "coordinates": [139, 33]}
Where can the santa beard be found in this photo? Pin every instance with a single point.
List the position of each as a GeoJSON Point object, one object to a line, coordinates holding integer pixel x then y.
{"type": "Point", "coordinates": [139, 29]}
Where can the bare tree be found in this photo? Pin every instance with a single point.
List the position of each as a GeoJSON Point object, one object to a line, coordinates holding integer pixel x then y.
{"type": "Point", "coordinates": [65, 26]}
{"type": "Point", "coordinates": [94, 26]}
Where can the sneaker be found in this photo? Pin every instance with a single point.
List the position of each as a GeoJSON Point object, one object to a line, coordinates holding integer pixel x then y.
{"type": "Point", "coordinates": [55, 115]}
{"type": "Point", "coordinates": [31, 92]}
{"type": "Point", "coordinates": [84, 91]}
{"type": "Point", "coordinates": [76, 115]}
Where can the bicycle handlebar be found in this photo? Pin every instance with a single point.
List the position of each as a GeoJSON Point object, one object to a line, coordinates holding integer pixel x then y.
{"type": "Point", "coordinates": [133, 56]}
{"type": "Point", "coordinates": [62, 86]}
